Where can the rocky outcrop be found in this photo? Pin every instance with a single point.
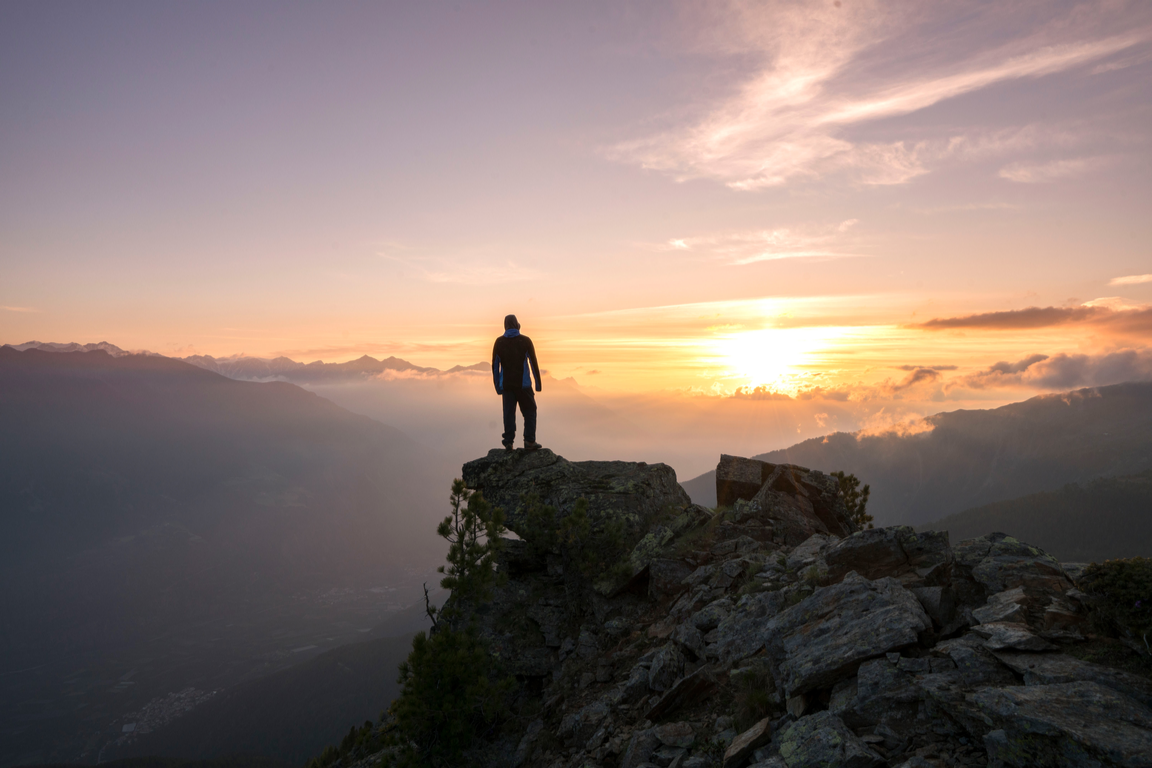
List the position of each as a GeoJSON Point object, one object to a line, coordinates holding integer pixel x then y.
{"type": "Point", "coordinates": [770, 633]}
{"type": "Point", "coordinates": [634, 492]}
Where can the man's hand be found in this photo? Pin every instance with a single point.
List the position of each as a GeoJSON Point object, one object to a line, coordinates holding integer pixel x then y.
{"type": "Point", "coordinates": [538, 388]}
{"type": "Point", "coordinates": [500, 392]}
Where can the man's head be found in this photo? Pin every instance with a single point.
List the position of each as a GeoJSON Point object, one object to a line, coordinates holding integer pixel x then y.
{"type": "Point", "coordinates": [510, 321]}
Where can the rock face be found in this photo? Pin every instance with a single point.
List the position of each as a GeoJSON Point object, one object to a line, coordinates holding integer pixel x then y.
{"type": "Point", "coordinates": [632, 491]}
{"type": "Point", "coordinates": [795, 502]}
{"type": "Point", "coordinates": [774, 634]}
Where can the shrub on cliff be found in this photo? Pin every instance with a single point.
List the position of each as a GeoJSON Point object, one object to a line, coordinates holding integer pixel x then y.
{"type": "Point", "coordinates": [452, 692]}
{"type": "Point", "coordinates": [1122, 597]}
{"type": "Point", "coordinates": [595, 546]}
{"type": "Point", "coordinates": [855, 498]}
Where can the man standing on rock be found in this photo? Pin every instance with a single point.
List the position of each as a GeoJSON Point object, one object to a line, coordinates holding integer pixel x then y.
{"type": "Point", "coordinates": [511, 356]}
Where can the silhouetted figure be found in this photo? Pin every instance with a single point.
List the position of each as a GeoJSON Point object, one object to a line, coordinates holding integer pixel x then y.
{"type": "Point", "coordinates": [512, 354]}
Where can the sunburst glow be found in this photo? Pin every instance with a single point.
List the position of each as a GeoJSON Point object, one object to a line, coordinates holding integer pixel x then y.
{"type": "Point", "coordinates": [773, 357]}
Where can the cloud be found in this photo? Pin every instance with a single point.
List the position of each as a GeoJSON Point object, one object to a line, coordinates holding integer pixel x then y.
{"type": "Point", "coordinates": [1099, 314]}
{"type": "Point", "coordinates": [1046, 172]}
{"type": "Point", "coordinates": [928, 367]}
{"type": "Point", "coordinates": [824, 70]}
{"type": "Point", "coordinates": [750, 247]}
{"type": "Point", "coordinates": [19, 309]}
{"type": "Point", "coordinates": [1062, 371]}
{"type": "Point", "coordinates": [1130, 280]}
{"type": "Point", "coordinates": [916, 378]}
{"type": "Point", "coordinates": [476, 266]}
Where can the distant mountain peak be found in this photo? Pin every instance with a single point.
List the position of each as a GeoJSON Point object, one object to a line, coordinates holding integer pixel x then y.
{"type": "Point", "coordinates": [73, 346]}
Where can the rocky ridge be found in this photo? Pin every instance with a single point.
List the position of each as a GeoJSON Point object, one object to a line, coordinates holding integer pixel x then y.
{"type": "Point", "coordinates": [773, 633]}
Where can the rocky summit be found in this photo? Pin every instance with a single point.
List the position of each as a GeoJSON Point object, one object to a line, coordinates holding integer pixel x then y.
{"type": "Point", "coordinates": [771, 632]}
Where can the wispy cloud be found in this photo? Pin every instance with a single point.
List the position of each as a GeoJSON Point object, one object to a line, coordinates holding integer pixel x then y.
{"type": "Point", "coordinates": [1062, 371]}
{"type": "Point", "coordinates": [750, 247]}
{"type": "Point", "coordinates": [1130, 280]}
{"type": "Point", "coordinates": [19, 309]}
{"type": "Point", "coordinates": [474, 267]}
{"type": "Point", "coordinates": [1055, 170]}
{"type": "Point", "coordinates": [827, 69]}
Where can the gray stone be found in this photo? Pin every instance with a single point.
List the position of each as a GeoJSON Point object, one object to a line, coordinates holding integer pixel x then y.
{"type": "Point", "coordinates": [1003, 606]}
{"type": "Point", "coordinates": [1055, 668]}
{"type": "Point", "coordinates": [675, 734]}
{"type": "Point", "coordinates": [524, 750]}
{"type": "Point", "coordinates": [747, 742]}
{"type": "Point", "coordinates": [740, 634]}
{"type": "Point", "coordinates": [823, 739]}
{"type": "Point", "coordinates": [809, 552]}
{"type": "Point", "coordinates": [897, 551]}
{"type": "Point", "coordinates": [710, 616]}
{"type": "Point", "coordinates": [1067, 724]}
{"type": "Point", "coordinates": [667, 666]}
{"type": "Point", "coordinates": [1000, 636]}
{"type": "Point", "coordinates": [940, 604]}
{"type": "Point", "coordinates": [975, 665]}
{"type": "Point", "coordinates": [825, 637]}
{"type": "Point", "coordinates": [687, 636]}
{"type": "Point", "coordinates": [636, 687]}
{"type": "Point", "coordinates": [640, 748]}
{"type": "Point", "coordinates": [881, 693]}
{"type": "Point", "coordinates": [739, 478]}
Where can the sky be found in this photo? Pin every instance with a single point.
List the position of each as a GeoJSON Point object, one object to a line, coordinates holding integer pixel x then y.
{"type": "Point", "coordinates": [940, 203]}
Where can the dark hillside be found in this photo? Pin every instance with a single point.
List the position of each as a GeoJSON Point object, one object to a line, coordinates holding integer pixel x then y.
{"type": "Point", "coordinates": [1102, 519]}
{"type": "Point", "coordinates": [969, 458]}
{"type": "Point", "coordinates": [164, 526]}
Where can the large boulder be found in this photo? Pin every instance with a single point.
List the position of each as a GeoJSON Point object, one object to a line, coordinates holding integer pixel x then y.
{"type": "Point", "coordinates": [825, 637]}
{"type": "Point", "coordinates": [794, 502]}
{"type": "Point", "coordinates": [635, 492]}
{"type": "Point", "coordinates": [823, 739]}
{"type": "Point", "coordinates": [1053, 668]}
{"type": "Point", "coordinates": [1003, 578]}
{"type": "Point", "coordinates": [1068, 724]}
{"type": "Point", "coordinates": [923, 559]}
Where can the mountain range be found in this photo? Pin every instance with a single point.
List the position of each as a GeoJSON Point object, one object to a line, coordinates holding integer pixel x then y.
{"type": "Point", "coordinates": [163, 526]}
{"type": "Point", "coordinates": [962, 459]}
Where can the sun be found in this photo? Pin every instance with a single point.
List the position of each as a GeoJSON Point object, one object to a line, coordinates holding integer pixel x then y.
{"type": "Point", "coordinates": [773, 356]}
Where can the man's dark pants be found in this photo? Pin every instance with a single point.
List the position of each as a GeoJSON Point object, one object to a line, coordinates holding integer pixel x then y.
{"type": "Point", "coordinates": [527, 402]}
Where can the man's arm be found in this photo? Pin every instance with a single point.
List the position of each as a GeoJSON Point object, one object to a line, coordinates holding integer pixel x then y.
{"type": "Point", "coordinates": [497, 374]}
{"type": "Point", "coordinates": [535, 365]}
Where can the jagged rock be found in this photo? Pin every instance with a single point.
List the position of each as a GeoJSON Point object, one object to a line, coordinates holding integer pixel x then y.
{"type": "Point", "coordinates": [1054, 668]}
{"type": "Point", "coordinates": [810, 552]}
{"type": "Point", "coordinates": [1003, 606]}
{"type": "Point", "coordinates": [746, 743]}
{"type": "Point", "coordinates": [998, 563]}
{"type": "Point", "coordinates": [687, 636]}
{"type": "Point", "coordinates": [975, 665]}
{"type": "Point", "coordinates": [527, 742]}
{"type": "Point", "coordinates": [740, 634]}
{"type": "Point", "coordinates": [823, 739]}
{"type": "Point", "coordinates": [636, 687]}
{"type": "Point", "coordinates": [710, 616]}
{"type": "Point", "coordinates": [794, 501]}
{"type": "Point", "coordinates": [687, 691]}
{"type": "Point", "coordinates": [825, 637]}
{"type": "Point", "coordinates": [898, 551]}
{"type": "Point", "coordinates": [881, 692]}
{"type": "Point", "coordinates": [940, 605]}
{"type": "Point", "coordinates": [1001, 635]}
{"type": "Point", "coordinates": [739, 478]}
{"type": "Point", "coordinates": [667, 666]}
{"type": "Point", "coordinates": [634, 492]}
{"type": "Point", "coordinates": [1067, 724]}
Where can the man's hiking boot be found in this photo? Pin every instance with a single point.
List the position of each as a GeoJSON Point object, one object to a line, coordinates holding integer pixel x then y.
{"type": "Point", "coordinates": [507, 446]}
{"type": "Point", "coordinates": [532, 445]}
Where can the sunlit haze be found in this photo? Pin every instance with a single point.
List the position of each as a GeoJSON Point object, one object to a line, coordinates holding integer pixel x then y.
{"type": "Point", "coordinates": [859, 201]}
